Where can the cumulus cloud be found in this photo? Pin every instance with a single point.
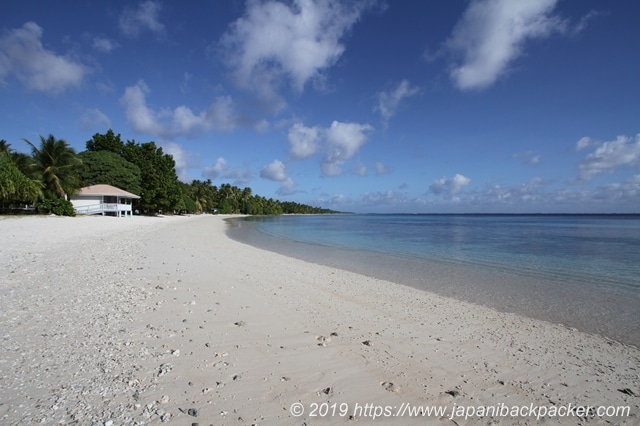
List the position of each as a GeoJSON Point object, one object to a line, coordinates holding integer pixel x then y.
{"type": "Point", "coordinates": [179, 157]}
{"type": "Point", "coordinates": [449, 186]}
{"type": "Point", "coordinates": [146, 17]}
{"type": "Point", "coordinates": [539, 195]}
{"type": "Point", "coordinates": [182, 121]}
{"type": "Point", "coordinates": [492, 33]}
{"type": "Point", "coordinates": [103, 44]}
{"type": "Point", "coordinates": [220, 169]}
{"type": "Point", "coordinates": [303, 140]}
{"type": "Point", "coordinates": [388, 198]}
{"type": "Point", "coordinates": [275, 171]}
{"type": "Point", "coordinates": [343, 140]}
{"type": "Point", "coordinates": [585, 142]}
{"type": "Point", "coordinates": [527, 192]}
{"type": "Point", "coordinates": [141, 117]}
{"type": "Point", "coordinates": [388, 102]}
{"type": "Point", "coordinates": [339, 143]}
{"type": "Point", "coordinates": [275, 42]}
{"type": "Point", "coordinates": [609, 156]}
{"type": "Point", "coordinates": [625, 193]}
{"type": "Point", "coordinates": [216, 169]}
{"type": "Point", "coordinates": [23, 56]}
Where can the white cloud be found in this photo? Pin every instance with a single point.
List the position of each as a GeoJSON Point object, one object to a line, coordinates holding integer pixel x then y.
{"type": "Point", "coordinates": [103, 44]}
{"type": "Point", "coordinates": [538, 195]}
{"type": "Point", "coordinates": [23, 56]}
{"type": "Point", "coordinates": [146, 17]}
{"type": "Point", "coordinates": [182, 121]}
{"type": "Point", "coordinates": [584, 22]}
{"type": "Point", "coordinates": [626, 193]}
{"type": "Point", "coordinates": [388, 102]}
{"type": "Point", "coordinates": [216, 169]}
{"type": "Point", "coordinates": [337, 201]}
{"type": "Point", "coordinates": [492, 33]}
{"type": "Point", "coordinates": [179, 156]}
{"type": "Point", "coordinates": [93, 118]}
{"type": "Point", "coordinates": [274, 171]}
{"type": "Point", "coordinates": [141, 117]}
{"type": "Point", "coordinates": [386, 198]}
{"type": "Point", "coordinates": [343, 140]}
{"type": "Point", "coordinates": [609, 156]}
{"type": "Point", "coordinates": [527, 192]}
{"type": "Point", "coordinates": [303, 140]}
{"type": "Point", "coordinates": [340, 142]}
{"type": "Point", "coordinates": [296, 43]}
{"type": "Point", "coordinates": [584, 142]}
{"type": "Point", "coordinates": [219, 169]}
{"type": "Point", "coordinates": [449, 186]}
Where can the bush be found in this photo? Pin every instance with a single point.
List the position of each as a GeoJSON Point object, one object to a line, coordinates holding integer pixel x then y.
{"type": "Point", "coordinates": [57, 206]}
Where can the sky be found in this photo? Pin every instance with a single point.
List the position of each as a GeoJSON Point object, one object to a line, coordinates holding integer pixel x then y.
{"type": "Point", "coordinates": [371, 106]}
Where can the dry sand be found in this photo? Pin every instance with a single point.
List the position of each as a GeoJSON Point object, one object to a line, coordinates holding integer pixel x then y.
{"type": "Point", "coordinates": [113, 321]}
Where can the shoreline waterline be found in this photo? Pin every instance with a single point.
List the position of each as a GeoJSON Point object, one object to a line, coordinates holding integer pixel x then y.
{"type": "Point", "coordinates": [600, 309]}
{"type": "Point", "coordinates": [145, 320]}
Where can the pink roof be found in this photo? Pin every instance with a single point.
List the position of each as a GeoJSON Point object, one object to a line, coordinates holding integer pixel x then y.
{"type": "Point", "coordinates": [105, 190]}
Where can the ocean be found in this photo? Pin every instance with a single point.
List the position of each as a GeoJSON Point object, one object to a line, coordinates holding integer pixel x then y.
{"type": "Point", "coordinates": [582, 271]}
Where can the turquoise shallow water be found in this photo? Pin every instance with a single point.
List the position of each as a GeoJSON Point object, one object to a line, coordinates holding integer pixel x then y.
{"type": "Point", "coordinates": [579, 270]}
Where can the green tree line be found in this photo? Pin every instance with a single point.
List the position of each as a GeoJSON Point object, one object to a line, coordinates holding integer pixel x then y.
{"type": "Point", "coordinates": [54, 171]}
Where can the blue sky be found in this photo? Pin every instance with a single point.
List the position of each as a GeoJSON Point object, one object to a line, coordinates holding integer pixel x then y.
{"type": "Point", "coordinates": [366, 106]}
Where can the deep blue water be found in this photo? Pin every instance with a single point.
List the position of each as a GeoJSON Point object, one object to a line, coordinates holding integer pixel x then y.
{"type": "Point", "coordinates": [579, 270]}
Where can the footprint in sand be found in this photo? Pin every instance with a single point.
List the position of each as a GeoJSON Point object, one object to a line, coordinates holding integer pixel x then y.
{"type": "Point", "coordinates": [390, 387]}
{"type": "Point", "coordinates": [323, 340]}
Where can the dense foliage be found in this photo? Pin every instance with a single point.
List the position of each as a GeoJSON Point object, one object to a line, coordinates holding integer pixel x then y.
{"type": "Point", "coordinates": [54, 171]}
{"type": "Point", "coordinates": [15, 187]}
{"type": "Point", "coordinates": [160, 189]}
{"type": "Point", "coordinates": [229, 199]}
{"type": "Point", "coordinates": [105, 166]}
{"type": "Point", "coordinates": [57, 206]}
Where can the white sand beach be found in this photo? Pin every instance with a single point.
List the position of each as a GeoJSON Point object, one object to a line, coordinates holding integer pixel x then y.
{"type": "Point", "coordinates": [142, 320]}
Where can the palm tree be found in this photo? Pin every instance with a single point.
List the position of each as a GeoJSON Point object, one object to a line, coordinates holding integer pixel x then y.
{"type": "Point", "coordinates": [4, 146]}
{"type": "Point", "coordinates": [199, 193]}
{"type": "Point", "coordinates": [56, 165]}
{"type": "Point", "coordinates": [245, 200]}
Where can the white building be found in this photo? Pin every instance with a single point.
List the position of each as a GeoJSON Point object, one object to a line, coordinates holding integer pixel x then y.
{"type": "Point", "coordinates": [103, 199]}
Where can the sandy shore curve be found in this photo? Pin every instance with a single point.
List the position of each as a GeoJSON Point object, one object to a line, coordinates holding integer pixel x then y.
{"type": "Point", "coordinates": [146, 320]}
